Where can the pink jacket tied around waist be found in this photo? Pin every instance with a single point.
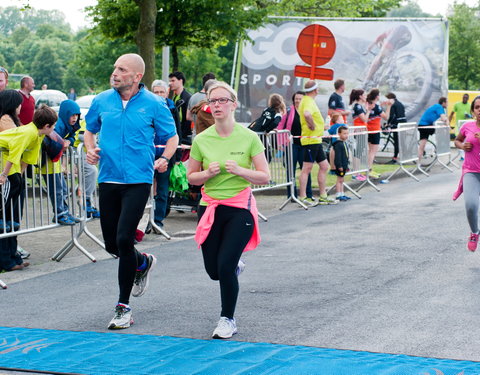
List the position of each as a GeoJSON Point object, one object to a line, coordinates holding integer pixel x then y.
{"type": "Point", "coordinates": [244, 199]}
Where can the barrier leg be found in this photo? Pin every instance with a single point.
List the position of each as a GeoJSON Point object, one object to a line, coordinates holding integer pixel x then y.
{"type": "Point", "coordinates": [368, 181]}
{"type": "Point", "coordinates": [445, 165]}
{"type": "Point", "coordinates": [293, 198]}
{"type": "Point", "coordinates": [420, 169]}
{"type": "Point", "coordinates": [452, 160]}
{"type": "Point", "coordinates": [158, 229]}
{"type": "Point", "coordinates": [94, 238]}
{"type": "Point", "coordinates": [402, 168]}
{"type": "Point", "coordinates": [264, 218]}
{"type": "Point", "coordinates": [69, 246]}
{"type": "Point", "coordinates": [351, 190]}
{"type": "Point", "coordinates": [3, 285]}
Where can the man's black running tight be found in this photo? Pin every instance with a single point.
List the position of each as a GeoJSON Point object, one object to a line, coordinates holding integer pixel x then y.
{"type": "Point", "coordinates": [122, 207]}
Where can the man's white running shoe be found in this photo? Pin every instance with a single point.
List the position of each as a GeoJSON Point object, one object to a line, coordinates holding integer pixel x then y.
{"type": "Point", "coordinates": [240, 267]}
{"type": "Point", "coordinates": [122, 319]}
{"type": "Point", "coordinates": [226, 328]}
{"type": "Point", "coordinates": [140, 283]}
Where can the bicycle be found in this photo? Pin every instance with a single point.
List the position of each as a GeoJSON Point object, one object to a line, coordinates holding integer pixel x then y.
{"type": "Point", "coordinates": [407, 72]}
{"type": "Point", "coordinates": [387, 146]}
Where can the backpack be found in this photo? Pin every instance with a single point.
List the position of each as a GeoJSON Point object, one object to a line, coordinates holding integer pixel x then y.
{"type": "Point", "coordinates": [204, 116]}
{"type": "Point", "coordinates": [265, 123]}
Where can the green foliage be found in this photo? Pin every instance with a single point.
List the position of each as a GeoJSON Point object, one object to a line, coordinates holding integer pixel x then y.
{"type": "Point", "coordinates": [3, 61]}
{"type": "Point", "coordinates": [95, 56]}
{"type": "Point", "coordinates": [464, 51]}
{"type": "Point", "coordinates": [181, 23]}
{"type": "Point", "coordinates": [46, 31]}
{"type": "Point", "coordinates": [18, 68]}
{"type": "Point", "coordinates": [200, 23]}
{"type": "Point", "coordinates": [20, 34]}
{"type": "Point", "coordinates": [409, 9]}
{"type": "Point", "coordinates": [46, 68]}
{"type": "Point", "coordinates": [13, 17]}
{"type": "Point", "coordinates": [72, 79]}
{"type": "Point", "coordinates": [334, 8]}
{"type": "Point", "coordinates": [195, 62]}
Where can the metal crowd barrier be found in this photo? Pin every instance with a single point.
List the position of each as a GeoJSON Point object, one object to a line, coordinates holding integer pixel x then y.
{"type": "Point", "coordinates": [442, 140]}
{"type": "Point", "coordinates": [459, 152]}
{"type": "Point", "coordinates": [358, 159]}
{"type": "Point", "coordinates": [34, 210]}
{"type": "Point", "coordinates": [76, 163]}
{"type": "Point", "coordinates": [278, 151]}
{"type": "Point", "coordinates": [408, 148]}
{"type": "Point", "coordinates": [359, 162]}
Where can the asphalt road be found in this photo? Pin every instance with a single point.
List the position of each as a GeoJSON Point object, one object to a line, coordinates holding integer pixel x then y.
{"type": "Point", "coordinates": [388, 273]}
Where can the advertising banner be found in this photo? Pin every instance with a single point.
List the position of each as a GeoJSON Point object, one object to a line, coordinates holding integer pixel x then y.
{"type": "Point", "coordinates": [405, 56]}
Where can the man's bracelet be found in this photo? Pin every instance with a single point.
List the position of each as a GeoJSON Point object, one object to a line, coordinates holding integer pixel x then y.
{"type": "Point", "coordinates": [3, 175]}
{"type": "Point", "coordinates": [164, 157]}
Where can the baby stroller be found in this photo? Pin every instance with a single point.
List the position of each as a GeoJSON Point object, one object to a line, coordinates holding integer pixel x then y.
{"type": "Point", "coordinates": [182, 197]}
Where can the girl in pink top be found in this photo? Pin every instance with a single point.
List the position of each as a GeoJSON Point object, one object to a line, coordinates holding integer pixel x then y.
{"type": "Point", "coordinates": [468, 140]}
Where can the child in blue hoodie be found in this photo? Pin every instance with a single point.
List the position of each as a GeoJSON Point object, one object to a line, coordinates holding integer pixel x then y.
{"type": "Point", "coordinates": [67, 125]}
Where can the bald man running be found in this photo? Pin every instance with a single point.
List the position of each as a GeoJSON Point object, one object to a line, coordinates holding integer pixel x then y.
{"type": "Point", "coordinates": [128, 118]}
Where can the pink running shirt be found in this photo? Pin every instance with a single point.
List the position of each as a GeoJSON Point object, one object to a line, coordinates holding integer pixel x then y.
{"type": "Point", "coordinates": [472, 158]}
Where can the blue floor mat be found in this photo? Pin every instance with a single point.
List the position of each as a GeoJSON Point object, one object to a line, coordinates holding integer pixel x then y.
{"type": "Point", "coordinates": [96, 353]}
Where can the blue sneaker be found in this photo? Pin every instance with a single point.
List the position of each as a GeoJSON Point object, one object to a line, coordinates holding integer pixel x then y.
{"type": "Point", "coordinates": [75, 219]}
{"type": "Point", "coordinates": [64, 220]}
{"type": "Point", "coordinates": [14, 225]}
{"type": "Point", "coordinates": [5, 226]}
{"type": "Point", "coordinates": [93, 212]}
{"type": "Point", "coordinates": [343, 198]}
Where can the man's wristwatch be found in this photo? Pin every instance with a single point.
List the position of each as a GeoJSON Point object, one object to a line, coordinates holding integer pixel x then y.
{"type": "Point", "coordinates": [164, 157]}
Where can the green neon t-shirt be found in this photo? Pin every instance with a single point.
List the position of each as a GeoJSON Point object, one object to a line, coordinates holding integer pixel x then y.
{"type": "Point", "coordinates": [21, 144]}
{"type": "Point", "coordinates": [242, 145]}
{"type": "Point", "coordinates": [462, 111]}
{"type": "Point", "coordinates": [308, 104]}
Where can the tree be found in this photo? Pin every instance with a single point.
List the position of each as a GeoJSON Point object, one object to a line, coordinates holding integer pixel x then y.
{"type": "Point", "coordinates": [46, 68]}
{"type": "Point", "coordinates": [145, 37]}
{"type": "Point", "coordinates": [409, 9]}
{"type": "Point", "coordinates": [335, 8]}
{"type": "Point", "coordinates": [195, 62]}
{"type": "Point", "coordinates": [95, 56]}
{"type": "Point", "coordinates": [20, 34]}
{"type": "Point", "coordinates": [12, 17]}
{"type": "Point", "coordinates": [180, 23]}
{"type": "Point", "coordinates": [18, 68]}
{"type": "Point", "coordinates": [464, 51]}
{"type": "Point", "coordinates": [72, 79]}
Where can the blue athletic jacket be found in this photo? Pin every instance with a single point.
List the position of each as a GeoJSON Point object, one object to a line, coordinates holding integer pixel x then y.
{"type": "Point", "coordinates": [126, 136]}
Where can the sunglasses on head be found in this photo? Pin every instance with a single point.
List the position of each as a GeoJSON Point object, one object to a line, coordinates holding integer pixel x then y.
{"type": "Point", "coordinates": [3, 70]}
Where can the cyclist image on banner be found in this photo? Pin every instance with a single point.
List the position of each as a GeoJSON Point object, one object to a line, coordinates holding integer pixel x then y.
{"type": "Point", "coordinates": [395, 68]}
{"type": "Point", "coordinates": [388, 42]}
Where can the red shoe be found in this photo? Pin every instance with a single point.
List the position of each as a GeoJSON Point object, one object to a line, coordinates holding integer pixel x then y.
{"type": "Point", "coordinates": [472, 242]}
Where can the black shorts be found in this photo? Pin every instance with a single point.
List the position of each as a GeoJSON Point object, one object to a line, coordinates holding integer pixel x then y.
{"type": "Point", "coordinates": [425, 133]}
{"type": "Point", "coordinates": [340, 173]}
{"type": "Point", "coordinates": [374, 138]}
{"type": "Point", "coordinates": [313, 153]}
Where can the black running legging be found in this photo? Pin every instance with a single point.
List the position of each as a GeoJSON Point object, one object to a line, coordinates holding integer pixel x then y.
{"type": "Point", "coordinates": [230, 233]}
{"type": "Point", "coordinates": [122, 207]}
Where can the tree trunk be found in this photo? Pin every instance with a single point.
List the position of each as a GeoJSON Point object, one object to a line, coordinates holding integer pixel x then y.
{"type": "Point", "coordinates": [145, 38]}
{"type": "Point", "coordinates": [174, 51]}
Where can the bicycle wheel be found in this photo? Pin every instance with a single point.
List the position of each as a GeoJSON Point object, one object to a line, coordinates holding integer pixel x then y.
{"type": "Point", "coordinates": [429, 154]}
{"type": "Point", "coordinates": [410, 75]}
{"type": "Point", "coordinates": [386, 148]}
